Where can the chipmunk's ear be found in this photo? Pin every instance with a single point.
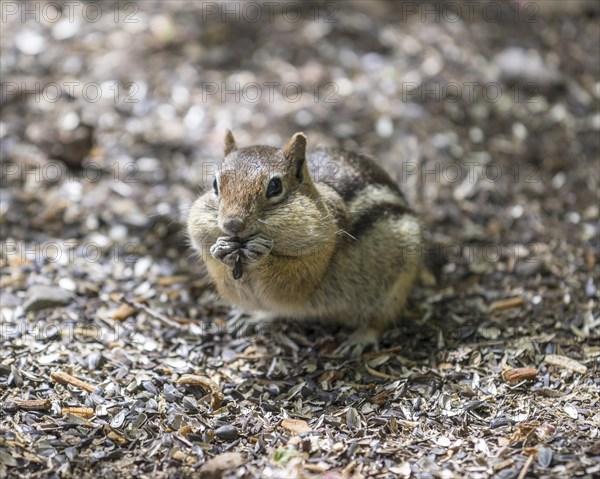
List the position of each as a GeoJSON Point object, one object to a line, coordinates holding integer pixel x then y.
{"type": "Point", "coordinates": [295, 151]}
{"type": "Point", "coordinates": [229, 143]}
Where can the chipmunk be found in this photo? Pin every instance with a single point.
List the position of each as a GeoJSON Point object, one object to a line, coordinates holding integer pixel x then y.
{"type": "Point", "coordinates": [328, 237]}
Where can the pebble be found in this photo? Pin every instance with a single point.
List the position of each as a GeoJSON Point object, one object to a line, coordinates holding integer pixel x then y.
{"type": "Point", "coordinates": [68, 284]}
{"type": "Point", "coordinates": [590, 288]}
{"type": "Point", "coordinates": [41, 297]}
{"type": "Point", "coordinates": [227, 433]}
{"type": "Point", "coordinates": [30, 42]}
{"type": "Point", "coordinates": [65, 29]}
{"type": "Point", "coordinates": [528, 267]}
{"type": "Point", "coordinates": [520, 65]}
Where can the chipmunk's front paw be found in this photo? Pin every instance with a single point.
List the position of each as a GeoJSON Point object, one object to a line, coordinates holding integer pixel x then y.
{"type": "Point", "coordinates": [358, 341]}
{"type": "Point", "coordinates": [257, 248]}
{"type": "Point", "coordinates": [226, 249]}
{"type": "Point", "coordinates": [249, 324]}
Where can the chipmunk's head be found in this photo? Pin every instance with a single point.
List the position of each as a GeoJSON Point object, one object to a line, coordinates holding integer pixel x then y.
{"type": "Point", "coordinates": [256, 184]}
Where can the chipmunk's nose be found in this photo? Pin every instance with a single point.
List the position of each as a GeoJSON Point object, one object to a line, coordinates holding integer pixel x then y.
{"type": "Point", "coordinates": [233, 225]}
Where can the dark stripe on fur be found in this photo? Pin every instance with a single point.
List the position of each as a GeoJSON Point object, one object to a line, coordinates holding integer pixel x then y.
{"type": "Point", "coordinates": [348, 173]}
{"type": "Point", "coordinates": [375, 213]}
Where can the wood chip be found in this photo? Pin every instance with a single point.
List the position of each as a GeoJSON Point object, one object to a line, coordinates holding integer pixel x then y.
{"type": "Point", "coordinates": [320, 466]}
{"type": "Point", "coordinates": [115, 436]}
{"type": "Point", "coordinates": [32, 404]}
{"type": "Point", "coordinates": [170, 280]}
{"type": "Point", "coordinates": [503, 464]}
{"type": "Point", "coordinates": [85, 412]}
{"type": "Point", "coordinates": [296, 426]}
{"type": "Point", "coordinates": [514, 375]}
{"type": "Point", "coordinates": [526, 466]}
{"type": "Point", "coordinates": [348, 469]}
{"type": "Point", "coordinates": [506, 304]}
{"type": "Point", "coordinates": [64, 378]}
{"type": "Point", "coordinates": [564, 362]}
{"type": "Point", "coordinates": [183, 457]}
{"type": "Point", "coordinates": [123, 312]}
{"type": "Point", "coordinates": [216, 395]}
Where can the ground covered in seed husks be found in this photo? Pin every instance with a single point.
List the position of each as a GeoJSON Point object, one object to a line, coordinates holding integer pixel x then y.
{"type": "Point", "coordinates": [118, 360]}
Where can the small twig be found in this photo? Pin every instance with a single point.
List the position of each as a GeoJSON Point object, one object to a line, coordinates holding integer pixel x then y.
{"type": "Point", "coordinates": [170, 280]}
{"type": "Point", "coordinates": [378, 374]}
{"type": "Point", "coordinates": [85, 412]}
{"type": "Point", "coordinates": [506, 304]}
{"type": "Point", "coordinates": [383, 352]}
{"type": "Point", "coordinates": [123, 312]}
{"type": "Point", "coordinates": [565, 362]}
{"type": "Point", "coordinates": [515, 375]}
{"type": "Point", "coordinates": [155, 314]}
{"type": "Point", "coordinates": [526, 466]}
{"type": "Point", "coordinates": [64, 378]}
{"type": "Point", "coordinates": [32, 404]}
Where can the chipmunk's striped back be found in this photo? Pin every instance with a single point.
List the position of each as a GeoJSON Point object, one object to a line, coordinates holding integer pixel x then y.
{"type": "Point", "coordinates": [367, 191]}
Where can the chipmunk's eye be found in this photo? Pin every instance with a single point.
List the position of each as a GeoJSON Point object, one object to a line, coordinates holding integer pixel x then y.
{"type": "Point", "coordinates": [275, 187]}
{"type": "Point", "coordinates": [216, 187]}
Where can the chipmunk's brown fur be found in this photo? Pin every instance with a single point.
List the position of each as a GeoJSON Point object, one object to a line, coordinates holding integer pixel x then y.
{"type": "Point", "coordinates": [338, 244]}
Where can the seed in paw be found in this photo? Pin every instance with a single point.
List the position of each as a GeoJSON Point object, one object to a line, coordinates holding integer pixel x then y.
{"type": "Point", "coordinates": [238, 269]}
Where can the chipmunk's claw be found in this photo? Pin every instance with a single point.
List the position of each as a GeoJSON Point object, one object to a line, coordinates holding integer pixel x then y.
{"type": "Point", "coordinates": [226, 249]}
{"type": "Point", "coordinates": [256, 323]}
{"type": "Point", "coordinates": [229, 249]}
{"type": "Point", "coordinates": [358, 342]}
{"type": "Point", "coordinates": [257, 248]}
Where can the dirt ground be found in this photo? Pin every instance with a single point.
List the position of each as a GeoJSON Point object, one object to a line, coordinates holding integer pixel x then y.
{"type": "Point", "coordinates": [117, 358]}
